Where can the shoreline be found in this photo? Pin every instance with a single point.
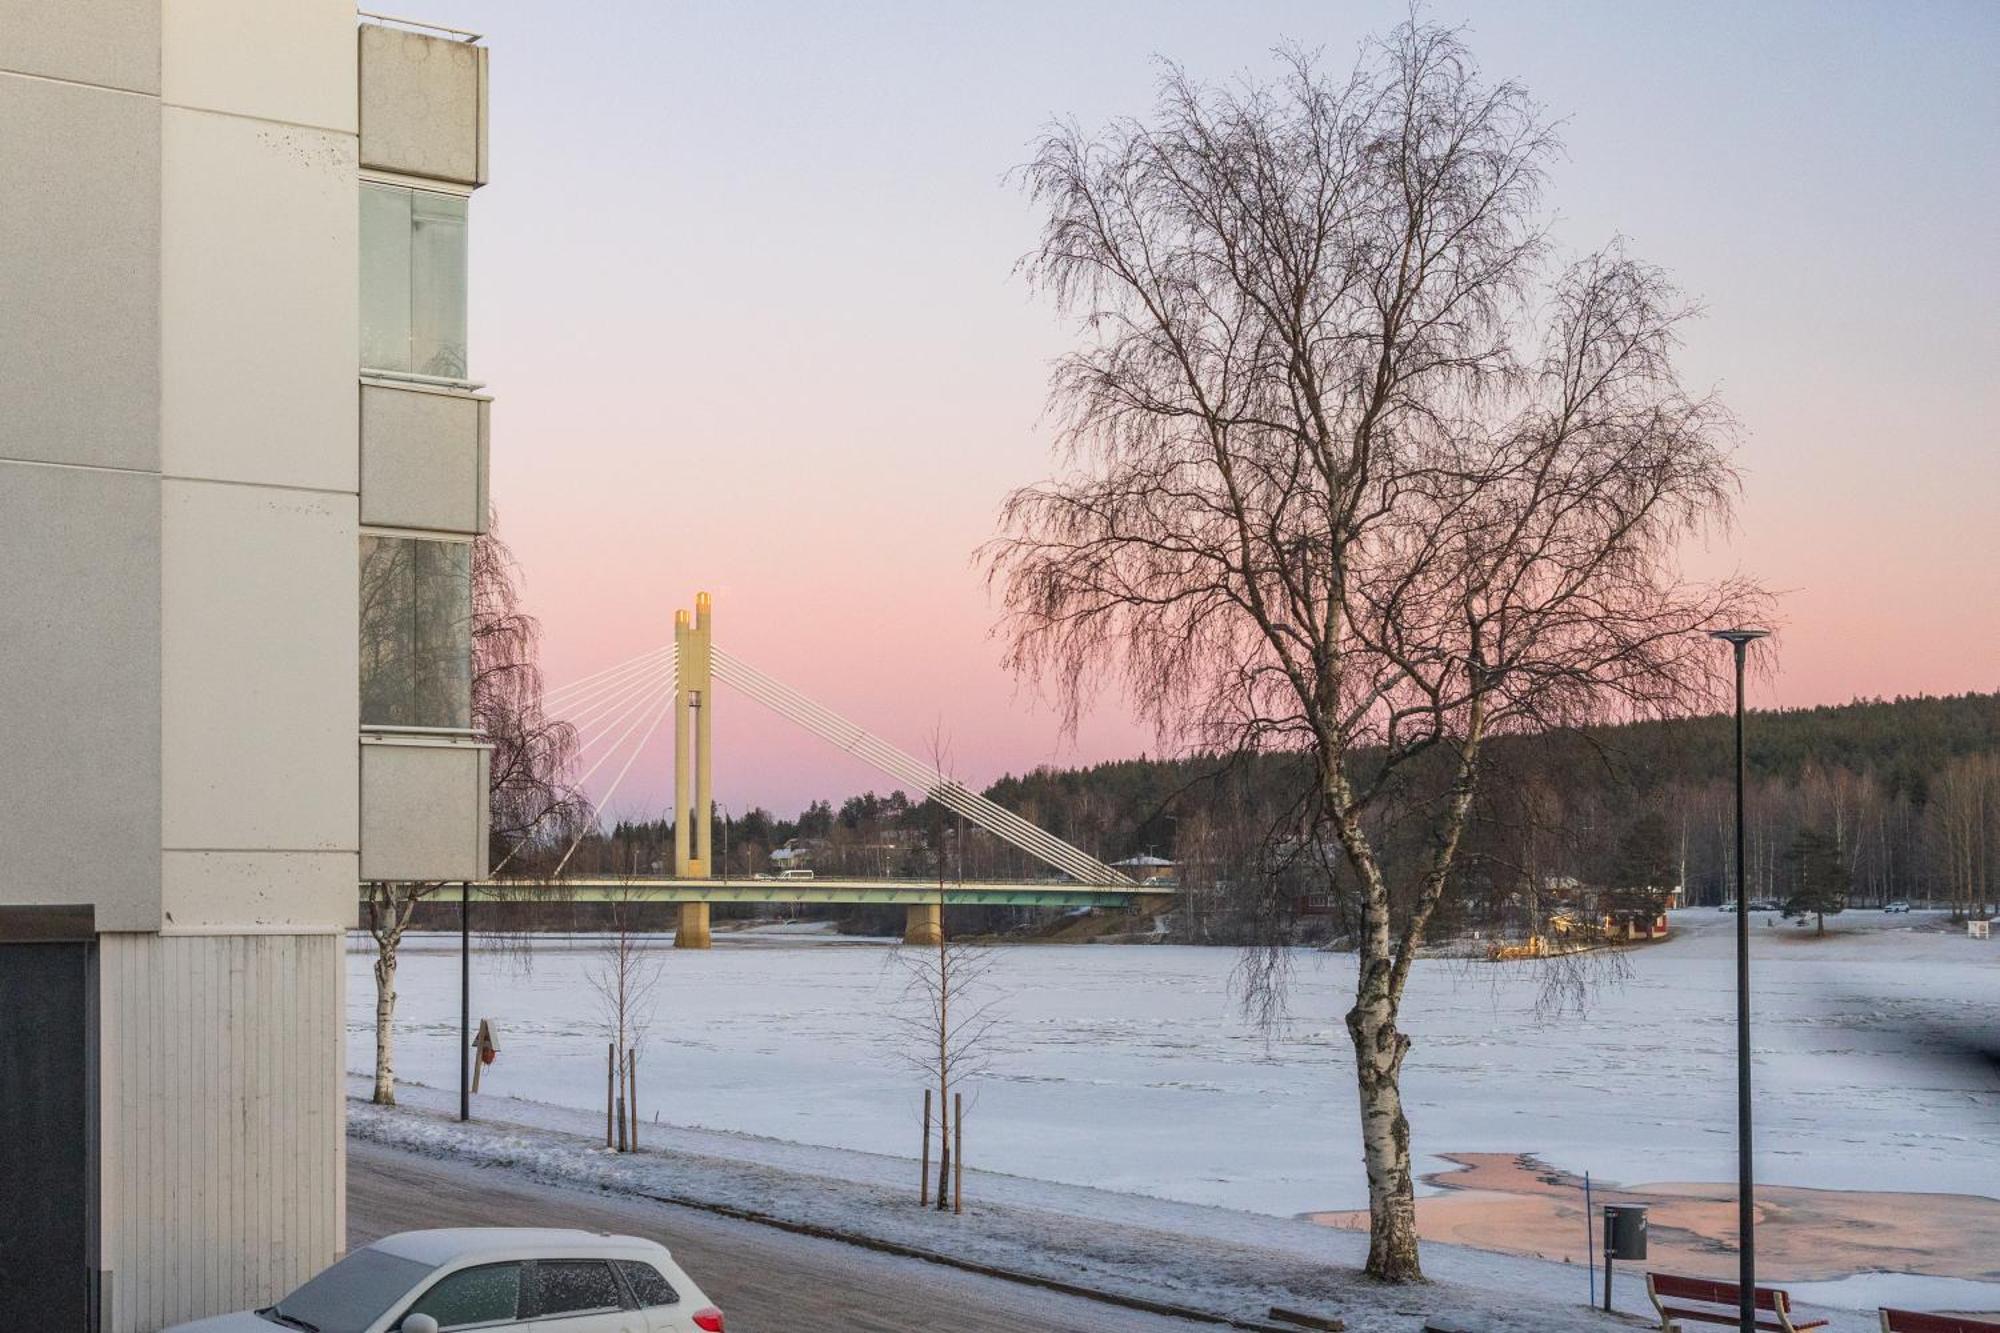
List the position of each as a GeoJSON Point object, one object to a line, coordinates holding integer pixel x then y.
{"type": "Point", "coordinates": [1516, 1203]}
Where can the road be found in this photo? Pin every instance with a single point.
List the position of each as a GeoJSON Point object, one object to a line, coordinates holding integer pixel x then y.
{"type": "Point", "coordinates": [765, 1280]}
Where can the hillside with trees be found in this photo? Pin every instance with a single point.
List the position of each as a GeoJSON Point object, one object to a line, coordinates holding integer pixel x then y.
{"type": "Point", "coordinates": [1858, 804]}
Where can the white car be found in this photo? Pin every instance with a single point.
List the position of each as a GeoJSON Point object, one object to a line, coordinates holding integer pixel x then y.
{"type": "Point", "coordinates": [489, 1278]}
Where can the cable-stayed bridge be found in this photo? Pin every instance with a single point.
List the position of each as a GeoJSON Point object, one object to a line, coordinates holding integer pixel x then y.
{"type": "Point", "coordinates": [616, 713]}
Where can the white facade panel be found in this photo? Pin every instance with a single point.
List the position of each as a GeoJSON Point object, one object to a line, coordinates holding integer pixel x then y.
{"type": "Point", "coordinates": [259, 663]}
{"type": "Point", "coordinates": [291, 62]}
{"type": "Point", "coordinates": [222, 1114]}
{"type": "Point", "coordinates": [423, 105]}
{"type": "Point", "coordinates": [423, 458]}
{"type": "Point", "coordinates": [79, 274]}
{"type": "Point", "coordinates": [259, 301]}
{"type": "Point", "coordinates": [423, 809]}
{"type": "Point", "coordinates": [110, 43]}
{"type": "Point", "coordinates": [258, 891]}
{"type": "Point", "coordinates": [80, 690]}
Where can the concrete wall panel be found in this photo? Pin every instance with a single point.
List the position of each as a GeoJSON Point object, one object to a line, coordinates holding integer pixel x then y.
{"type": "Point", "coordinates": [80, 690]}
{"type": "Point", "coordinates": [223, 1178]}
{"type": "Point", "coordinates": [423, 105]}
{"type": "Point", "coordinates": [289, 62]}
{"type": "Point", "coordinates": [260, 299]}
{"type": "Point", "coordinates": [112, 43]}
{"type": "Point", "coordinates": [423, 810]}
{"type": "Point", "coordinates": [260, 667]}
{"type": "Point", "coordinates": [259, 890]}
{"type": "Point", "coordinates": [423, 458]}
{"type": "Point", "coordinates": [79, 274]}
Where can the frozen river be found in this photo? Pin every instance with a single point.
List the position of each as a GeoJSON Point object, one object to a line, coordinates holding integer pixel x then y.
{"type": "Point", "coordinates": [1134, 1068]}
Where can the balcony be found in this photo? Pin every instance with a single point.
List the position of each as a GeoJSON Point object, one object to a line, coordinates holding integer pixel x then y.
{"type": "Point", "coordinates": [423, 103]}
{"type": "Point", "coordinates": [423, 804]}
{"type": "Point", "coordinates": [423, 455]}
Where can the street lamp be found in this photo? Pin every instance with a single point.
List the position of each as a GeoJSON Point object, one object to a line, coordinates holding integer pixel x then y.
{"type": "Point", "coordinates": [1746, 1222]}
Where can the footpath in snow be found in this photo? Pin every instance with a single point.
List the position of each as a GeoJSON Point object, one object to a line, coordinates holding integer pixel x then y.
{"type": "Point", "coordinates": [1234, 1263]}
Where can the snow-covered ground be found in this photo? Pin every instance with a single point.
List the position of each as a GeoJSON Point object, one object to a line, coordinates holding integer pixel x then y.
{"type": "Point", "coordinates": [1134, 1070]}
{"type": "Point", "coordinates": [1210, 1259]}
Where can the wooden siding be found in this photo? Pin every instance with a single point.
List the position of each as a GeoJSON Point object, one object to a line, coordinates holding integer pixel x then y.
{"type": "Point", "coordinates": [222, 1120]}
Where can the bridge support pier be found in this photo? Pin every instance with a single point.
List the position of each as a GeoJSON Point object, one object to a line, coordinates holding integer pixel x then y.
{"type": "Point", "coordinates": [924, 924]}
{"type": "Point", "coordinates": [691, 932]}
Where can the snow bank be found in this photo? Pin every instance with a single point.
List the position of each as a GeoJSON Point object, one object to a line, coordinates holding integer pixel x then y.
{"type": "Point", "coordinates": [1209, 1258]}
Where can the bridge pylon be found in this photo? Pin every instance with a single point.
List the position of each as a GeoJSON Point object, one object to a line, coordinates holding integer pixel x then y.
{"type": "Point", "coordinates": [694, 790]}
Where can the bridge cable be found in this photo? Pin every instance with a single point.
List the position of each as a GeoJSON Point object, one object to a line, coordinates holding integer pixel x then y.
{"type": "Point", "coordinates": [664, 684]}
{"type": "Point", "coordinates": [569, 687]}
{"type": "Point", "coordinates": [666, 704]}
{"type": "Point", "coordinates": [949, 792]}
{"type": "Point", "coordinates": [642, 697]}
{"type": "Point", "coordinates": [592, 722]}
{"type": "Point", "coordinates": [597, 689]}
{"type": "Point", "coordinates": [994, 818]}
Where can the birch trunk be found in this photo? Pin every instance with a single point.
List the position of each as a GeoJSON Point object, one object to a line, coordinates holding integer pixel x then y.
{"type": "Point", "coordinates": [385, 1015]}
{"type": "Point", "coordinates": [1386, 955]}
{"type": "Point", "coordinates": [1379, 1049]}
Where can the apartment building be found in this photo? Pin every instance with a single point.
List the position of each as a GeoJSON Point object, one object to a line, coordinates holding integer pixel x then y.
{"type": "Point", "coordinates": [241, 468]}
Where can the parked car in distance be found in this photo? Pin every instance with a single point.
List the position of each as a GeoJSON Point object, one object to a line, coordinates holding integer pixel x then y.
{"type": "Point", "coordinates": [795, 874]}
{"type": "Point", "coordinates": [1727, 907]}
{"type": "Point", "coordinates": [489, 1278]}
{"type": "Point", "coordinates": [1897, 906]}
{"type": "Point", "coordinates": [1766, 905]}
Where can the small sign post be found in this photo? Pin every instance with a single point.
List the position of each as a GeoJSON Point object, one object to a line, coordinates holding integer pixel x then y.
{"type": "Point", "coordinates": [484, 1048]}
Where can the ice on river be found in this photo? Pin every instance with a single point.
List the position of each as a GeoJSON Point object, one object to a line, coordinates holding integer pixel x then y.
{"type": "Point", "coordinates": [1135, 1069]}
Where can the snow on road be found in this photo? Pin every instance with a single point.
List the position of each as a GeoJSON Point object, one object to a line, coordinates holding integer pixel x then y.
{"type": "Point", "coordinates": [1209, 1259]}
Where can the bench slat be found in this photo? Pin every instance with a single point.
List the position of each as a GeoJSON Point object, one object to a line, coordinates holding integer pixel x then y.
{"type": "Point", "coordinates": [1728, 1318]}
{"type": "Point", "coordinates": [1919, 1321]}
{"type": "Point", "coordinates": [1721, 1293]}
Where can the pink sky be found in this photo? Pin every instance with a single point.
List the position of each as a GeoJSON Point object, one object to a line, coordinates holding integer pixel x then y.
{"type": "Point", "coordinates": [743, 294]}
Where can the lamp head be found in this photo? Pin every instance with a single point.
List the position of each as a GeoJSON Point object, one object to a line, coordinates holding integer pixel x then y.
{"type": "Point", "coordinates": [1739, 637]}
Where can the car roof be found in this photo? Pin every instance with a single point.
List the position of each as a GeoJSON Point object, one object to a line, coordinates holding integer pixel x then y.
{"type": "Point", "coordinates": [455, 1245]}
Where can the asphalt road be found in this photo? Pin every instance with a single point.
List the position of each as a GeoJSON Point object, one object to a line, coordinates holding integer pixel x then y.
{"type": "Point", "coordinates": [765, 1280]}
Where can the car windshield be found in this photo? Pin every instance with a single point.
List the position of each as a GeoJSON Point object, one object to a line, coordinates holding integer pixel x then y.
{"type": "Point", "coordinates": [351, 1295]}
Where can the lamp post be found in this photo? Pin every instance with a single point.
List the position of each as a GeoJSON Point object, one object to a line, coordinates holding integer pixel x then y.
{"type": "Point", "coordinates": [1746, 1221]}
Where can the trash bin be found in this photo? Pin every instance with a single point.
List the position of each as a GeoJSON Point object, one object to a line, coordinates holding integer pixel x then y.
{"type": "Point", "coordinates": [1624, 1231]}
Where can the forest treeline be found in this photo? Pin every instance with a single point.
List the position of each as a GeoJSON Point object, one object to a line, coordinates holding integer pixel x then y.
{"type": "Point", "coordinates": [1903, 794]}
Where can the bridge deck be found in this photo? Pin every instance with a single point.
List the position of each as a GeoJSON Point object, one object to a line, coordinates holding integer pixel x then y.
{"type": "Point", "coordinates": [823, 889]}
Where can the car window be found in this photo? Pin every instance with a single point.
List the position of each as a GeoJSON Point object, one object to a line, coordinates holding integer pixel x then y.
{"type": "Point", "coordinates": [647, 1283]}
{"type": "Point", "coordinates": [572, 1286]}
{"type": "Point", "coordinates": [352, 1294]}
{"type": "Point", "coordinates": [489, 1294]}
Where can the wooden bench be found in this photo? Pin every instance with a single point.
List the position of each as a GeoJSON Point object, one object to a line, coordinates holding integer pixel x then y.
{"type": "Point", "coordinates": [1916, 1321]}
{"type": "Point", "coordinates": [1698, 1300]}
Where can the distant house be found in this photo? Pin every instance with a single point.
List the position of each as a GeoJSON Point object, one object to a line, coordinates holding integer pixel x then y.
{"type": "Point", "coordinates": [796, 854]}
{"type": "Point", "coordinates": [1147, 869]}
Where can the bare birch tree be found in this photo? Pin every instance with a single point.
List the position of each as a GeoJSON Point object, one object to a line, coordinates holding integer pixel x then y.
{"type": "Point", "coordinates": [528, 785]}
{"type": "Point", "coordinates": [625, 979]}
{"type": "Point", "coordinates": [948, 1020]}
{"type": "Point", "coordinates": [1352, 468]}
{"type": "Point", "coordinates": [948, 1015]}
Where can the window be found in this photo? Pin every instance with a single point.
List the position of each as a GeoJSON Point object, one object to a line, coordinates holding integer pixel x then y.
{"type": "Point", "coordinates": [647, 1284]}
{"type": "Point", "coordinates": [472, 1297]}
{"type": "Point", "coordinates": [574, 1286]}
{"type": "Point", "coordinates": [354, 1293]}
{"type": "Point", "coordinates": [416, 632]}
{"type": "Point", "coordinates": [412, 281]}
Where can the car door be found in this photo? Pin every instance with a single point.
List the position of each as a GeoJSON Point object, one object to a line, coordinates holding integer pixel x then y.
{"type": "Point", "coordinates": [487, 1296]}
{"type": "Point", "coordinates": [579, 1296]}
